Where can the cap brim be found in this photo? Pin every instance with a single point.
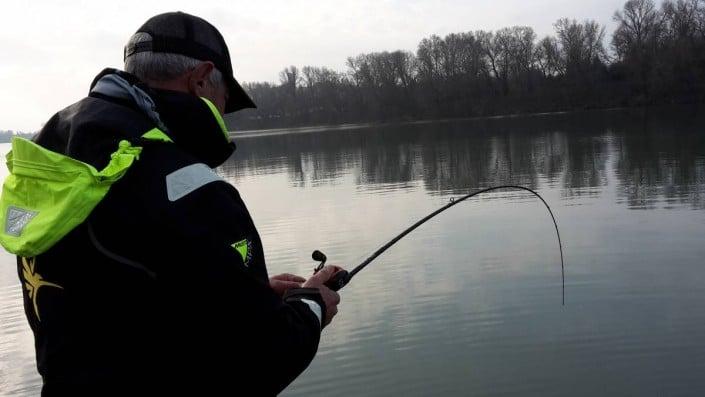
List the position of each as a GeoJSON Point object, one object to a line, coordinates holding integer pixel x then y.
{"type": "Point", "coordinates": [238, 98]}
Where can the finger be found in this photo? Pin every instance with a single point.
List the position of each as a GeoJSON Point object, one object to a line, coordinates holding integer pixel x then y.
{"type": "Point", "coordinates": [330, 271]}
{"type": "Point", "coordinates": [330, 313]}
{"type": "Point", "coordinates": [323, 275]}
{"type": "Point", "coordinates": [290, 277]}
{"type": "Point", "coordinates": [330, 294]}
{"type": "Point", "coordinates": [284, 285]}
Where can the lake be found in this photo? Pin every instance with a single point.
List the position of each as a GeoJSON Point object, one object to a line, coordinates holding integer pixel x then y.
{"type": "Point", "coordinates": [470, 303]}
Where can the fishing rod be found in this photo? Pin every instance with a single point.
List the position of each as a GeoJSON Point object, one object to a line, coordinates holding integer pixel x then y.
{"type": "Point", "coordinates": [343, 277]}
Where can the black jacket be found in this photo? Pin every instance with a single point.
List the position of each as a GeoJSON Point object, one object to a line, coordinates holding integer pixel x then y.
{"type": "Point", "coordinates": [164, 288]}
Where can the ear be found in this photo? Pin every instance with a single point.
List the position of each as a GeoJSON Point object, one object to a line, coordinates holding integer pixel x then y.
{"type": "Point", "coordinates": [198, 78]}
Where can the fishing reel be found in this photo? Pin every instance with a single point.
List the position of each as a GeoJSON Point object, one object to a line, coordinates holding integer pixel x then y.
{"type": "Point", "coordinates": [339, 279]}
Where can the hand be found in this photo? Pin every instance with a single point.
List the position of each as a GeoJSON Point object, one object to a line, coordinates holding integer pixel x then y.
{"type": "Point", "coordinates": [282, 282]}
{"type": "Point", "coordinates": [330, 297]}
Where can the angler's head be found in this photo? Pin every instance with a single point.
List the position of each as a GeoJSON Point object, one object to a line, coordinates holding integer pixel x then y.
{"type": "Point", "coordinates": [181, 52]}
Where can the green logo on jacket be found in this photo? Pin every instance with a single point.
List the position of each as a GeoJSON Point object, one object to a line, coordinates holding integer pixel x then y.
{"type": "Point", "coordinates": [244, 248]}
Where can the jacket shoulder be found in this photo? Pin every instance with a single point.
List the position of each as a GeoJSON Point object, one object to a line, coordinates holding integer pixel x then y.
{"type": "Point", "coordinates": [90, 129]}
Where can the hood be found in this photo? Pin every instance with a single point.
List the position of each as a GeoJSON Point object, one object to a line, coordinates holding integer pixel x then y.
{"type": "Point", "coordinates": [191, 122]}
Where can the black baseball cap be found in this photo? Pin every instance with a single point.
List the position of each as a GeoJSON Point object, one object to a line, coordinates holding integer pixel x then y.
{"type": "Point", "coordinates": [194, 37]}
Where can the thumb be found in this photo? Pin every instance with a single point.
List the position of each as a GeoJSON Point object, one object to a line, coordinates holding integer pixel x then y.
{"type": "Point", "coordinates": [323, 275]}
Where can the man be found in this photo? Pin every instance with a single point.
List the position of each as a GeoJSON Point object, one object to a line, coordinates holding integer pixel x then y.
{"type": "Point", "coordinates": [148, 277]}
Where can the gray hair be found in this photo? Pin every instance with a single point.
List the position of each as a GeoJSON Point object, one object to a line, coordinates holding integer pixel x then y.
{"type": "Point", "coordinates": [157, 66]}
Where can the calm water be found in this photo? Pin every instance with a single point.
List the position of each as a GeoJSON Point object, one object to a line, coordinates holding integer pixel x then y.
{"type": "Point", "coordinates": [470, 304]}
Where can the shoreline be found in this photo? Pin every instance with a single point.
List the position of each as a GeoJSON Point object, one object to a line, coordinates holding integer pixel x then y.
{"type": "Point", "coordinates": [353, 126]}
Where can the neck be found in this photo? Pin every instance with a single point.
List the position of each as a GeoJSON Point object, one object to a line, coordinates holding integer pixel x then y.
{"type": "Point", "coordinates": [178, 84]}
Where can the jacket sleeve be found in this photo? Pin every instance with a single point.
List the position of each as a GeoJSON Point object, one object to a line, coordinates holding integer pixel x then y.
{"type": "Point", "coordinates": [219, 301]}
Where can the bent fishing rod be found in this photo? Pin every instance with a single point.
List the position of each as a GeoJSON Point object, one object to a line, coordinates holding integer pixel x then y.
{"type": "Point", "coordinates": [343, 277]}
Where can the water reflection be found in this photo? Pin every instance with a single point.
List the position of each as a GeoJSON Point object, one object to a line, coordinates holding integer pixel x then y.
{"type": "Point", "coordinates": [657, 155]}
{"type": "Point", "coordinates": [651, 164]}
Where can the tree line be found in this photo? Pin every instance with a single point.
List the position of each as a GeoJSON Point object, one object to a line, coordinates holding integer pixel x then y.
{"type": "Point", "coordinates": [656, 55]}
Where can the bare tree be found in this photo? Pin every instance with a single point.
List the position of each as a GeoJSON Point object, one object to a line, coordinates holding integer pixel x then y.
{"type": "Point", "coordinates": [580, 44]}
{"type": "Point", "coordinates": [681, 18]}
{"type": "Point", "coordinates": [640, 25]}
{"type": "Point", "coordinates": [548, 57]}
{"type": "Point", "coordinates": [429, 55]}
{"type": "Point", "coordinates": [404, 65]}
{"type": "Point", "coordinates": [521, 53]}
{"type": "Point", "coordinates": [289, 77]}
{"type": "Point", "coordinates": [700, 18]}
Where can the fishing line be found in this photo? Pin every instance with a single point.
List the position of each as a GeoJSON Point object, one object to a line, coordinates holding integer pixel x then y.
{"type": "Point", "coordinates": [342, 278]}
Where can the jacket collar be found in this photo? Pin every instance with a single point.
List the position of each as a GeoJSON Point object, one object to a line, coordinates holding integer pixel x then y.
{"type": "Point", "coordinates": [192, 123]}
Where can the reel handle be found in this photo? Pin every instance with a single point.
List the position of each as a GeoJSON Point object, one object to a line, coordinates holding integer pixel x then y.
{"type": "Point", "coordinates": [339, 280]}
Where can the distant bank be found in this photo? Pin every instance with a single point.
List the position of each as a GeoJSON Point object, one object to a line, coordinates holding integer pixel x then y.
{"type": "Point", "coordinates": [246, 133]}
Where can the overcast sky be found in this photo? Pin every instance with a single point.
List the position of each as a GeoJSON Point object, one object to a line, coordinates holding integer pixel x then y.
{"type": "Point", "coordinates": [51, 50]}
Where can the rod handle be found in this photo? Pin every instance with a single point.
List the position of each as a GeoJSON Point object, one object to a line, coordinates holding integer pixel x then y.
{"type": "Point", "coordinates": [338, 281]}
